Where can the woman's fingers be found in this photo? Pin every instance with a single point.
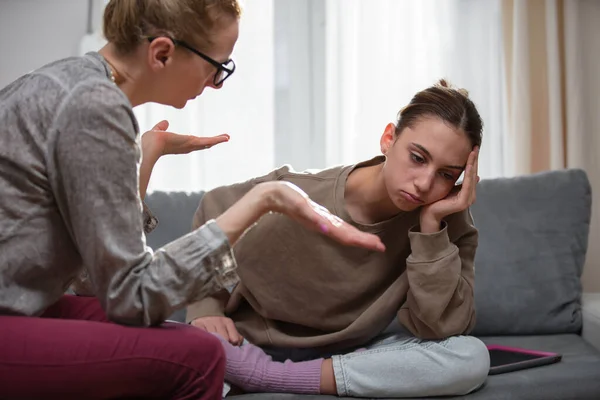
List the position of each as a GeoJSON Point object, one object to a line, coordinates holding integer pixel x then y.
{"type": "Point", "coordinates": [175, 143]}
{"type": "Point", "coordinates": [294, 202]}
{"type": "Point", "coordinates": [339, 230]}
{"type": "Point", "coordinates": [207, 142]}
{"type": "Point", "coordinates": [201, 143]}
{"type": "Point", "coordinates": [354, 237]}
{"type": "Point", "coordinates": [161, 126]}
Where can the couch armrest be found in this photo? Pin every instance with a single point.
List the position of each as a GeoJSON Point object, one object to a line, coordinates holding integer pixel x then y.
{"type": "Point", "coordinates": [591, 318]}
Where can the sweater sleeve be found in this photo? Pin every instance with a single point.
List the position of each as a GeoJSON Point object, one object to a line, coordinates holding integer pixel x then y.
{"type": "Point", "coordinates": [95, 157]}
{"type": "Point", "coordinates": [82, 286]}
{"type": "Point", "coordinates": [441, 275]}
{"type": "Point", "coordinates": [213, 204]}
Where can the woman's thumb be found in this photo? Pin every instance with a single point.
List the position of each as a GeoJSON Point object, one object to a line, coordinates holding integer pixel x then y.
{"type": "Point", "coordinates": [161, 126]}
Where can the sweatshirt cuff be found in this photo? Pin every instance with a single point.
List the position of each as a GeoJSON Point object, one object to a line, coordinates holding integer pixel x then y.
{"type": "Point", "coordinates": [427, 247]}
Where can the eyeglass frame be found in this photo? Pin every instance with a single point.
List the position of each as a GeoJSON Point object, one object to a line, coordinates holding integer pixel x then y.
{"type": "Point", "coordinates": [214, 63]}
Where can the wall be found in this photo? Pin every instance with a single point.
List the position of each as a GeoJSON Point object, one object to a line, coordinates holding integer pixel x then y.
{"type": "Point", "coordinates": [300, 87]}
{"type": "Point", "coordinates": [35, 32]}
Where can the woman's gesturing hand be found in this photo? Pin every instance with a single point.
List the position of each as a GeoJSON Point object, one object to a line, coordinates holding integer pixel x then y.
{"type": "Point", "coordinates": [288, 199]}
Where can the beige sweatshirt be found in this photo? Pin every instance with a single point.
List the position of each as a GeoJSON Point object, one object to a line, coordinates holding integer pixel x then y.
{"type": "Point", "coordinates": [301, 289]}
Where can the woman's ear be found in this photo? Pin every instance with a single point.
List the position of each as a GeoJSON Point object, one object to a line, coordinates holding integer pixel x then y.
{"type": "Point", "coordinates": [161, 50]}
{"type": "Point", "coordinates": [387, 138]}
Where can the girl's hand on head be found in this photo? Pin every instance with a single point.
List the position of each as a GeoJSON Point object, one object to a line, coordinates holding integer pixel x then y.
{"type": "Point", "coordinates": [459, 199]}
{"type": "Point", "coordinates": [161, 142]}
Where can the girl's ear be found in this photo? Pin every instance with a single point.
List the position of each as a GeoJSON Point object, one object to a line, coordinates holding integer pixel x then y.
{"type": "Point", "coordinates": [387, 138]}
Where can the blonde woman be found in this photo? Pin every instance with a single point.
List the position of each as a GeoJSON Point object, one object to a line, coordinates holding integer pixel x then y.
{"type": "Point", "coordinates": [70, 203]}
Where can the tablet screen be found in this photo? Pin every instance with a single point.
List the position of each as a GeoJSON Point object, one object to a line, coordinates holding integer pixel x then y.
{"type": "Point", "coordinates": [508, 359]}
{"type": "Point", "coordinates": [502, 357]}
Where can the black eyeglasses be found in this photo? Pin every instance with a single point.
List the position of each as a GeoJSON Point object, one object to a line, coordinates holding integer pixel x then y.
{"type": "Point", "coordinates": [224, 70]}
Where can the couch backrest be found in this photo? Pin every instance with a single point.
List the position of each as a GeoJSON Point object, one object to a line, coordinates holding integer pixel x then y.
{"type": "Point", "coordinates": [174, 211]}
{"type": "Point", "coordinates": [533, 234]}
{"type": "Point", "coordinates": [532, 246]}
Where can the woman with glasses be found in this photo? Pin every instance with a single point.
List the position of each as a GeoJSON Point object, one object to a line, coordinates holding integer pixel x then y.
{"type": "Point", "coordinates": [70, 183]}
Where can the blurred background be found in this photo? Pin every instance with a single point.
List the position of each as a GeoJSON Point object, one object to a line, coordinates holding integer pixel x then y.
{"type": "Point", "coordinates": [317, 81]}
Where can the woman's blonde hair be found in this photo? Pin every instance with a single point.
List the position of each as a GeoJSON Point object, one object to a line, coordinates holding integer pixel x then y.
{"type": "Point", "coordinates": [129, 22]}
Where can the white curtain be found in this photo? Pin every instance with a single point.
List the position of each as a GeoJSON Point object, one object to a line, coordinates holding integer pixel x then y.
{"type": "Point", "coordinates": [381, 52]}
{"type": "Point", "coordinates": [243, 108]}
{"type": "Point", "coordinates": [377, 55]}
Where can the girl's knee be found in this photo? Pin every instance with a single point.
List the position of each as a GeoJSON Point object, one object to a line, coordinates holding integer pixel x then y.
{"type": "Point", "coordinates": [470, 366]}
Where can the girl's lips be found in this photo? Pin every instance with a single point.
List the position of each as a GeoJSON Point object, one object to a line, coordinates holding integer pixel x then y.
{"type": "Point", "coordinates": [411, 198]}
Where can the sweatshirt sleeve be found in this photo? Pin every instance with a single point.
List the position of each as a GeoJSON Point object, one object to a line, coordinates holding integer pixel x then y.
{"type": "Point", "coordinates": [213, 204]}
{"type": "Point", "coordinates": [95, 177]}
{"type": "Point", "coordinates": [441, 274]}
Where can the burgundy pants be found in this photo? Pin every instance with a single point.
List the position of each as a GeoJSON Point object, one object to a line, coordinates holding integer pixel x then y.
{"type": "Point", "coordinates": [73, 352]}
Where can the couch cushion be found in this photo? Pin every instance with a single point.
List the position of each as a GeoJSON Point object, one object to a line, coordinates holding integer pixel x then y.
{"type": "Point", "coordinates": [532, 246]}
{"type": "Point", "coordinates": [576, 377]}
{"type": "Point", "coordinates": [591, 318]}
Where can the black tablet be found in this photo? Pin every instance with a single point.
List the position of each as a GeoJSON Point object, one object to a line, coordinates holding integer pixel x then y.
{"type": "Point", "coordinates": [508, 359]}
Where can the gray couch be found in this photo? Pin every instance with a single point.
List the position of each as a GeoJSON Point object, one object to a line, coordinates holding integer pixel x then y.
{"type": "Point", "coordinates": [533, 241]}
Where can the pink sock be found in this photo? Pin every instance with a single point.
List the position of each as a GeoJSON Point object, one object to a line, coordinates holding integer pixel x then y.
{"type": "Point", "coordinates": [252, 370]}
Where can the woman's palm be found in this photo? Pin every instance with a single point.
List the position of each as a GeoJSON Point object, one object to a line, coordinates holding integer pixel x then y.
{"type": "Point", "coordinates": [174, 143]}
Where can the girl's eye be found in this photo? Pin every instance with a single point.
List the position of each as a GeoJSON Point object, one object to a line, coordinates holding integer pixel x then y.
{"type": "Point", "coordinates": [417, 158]}
{"type": "Point", "coordinates": [448, 176]}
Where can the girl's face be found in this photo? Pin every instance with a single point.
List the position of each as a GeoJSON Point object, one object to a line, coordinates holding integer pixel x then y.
{"type": "Point", "coordinates": [423, 163]}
